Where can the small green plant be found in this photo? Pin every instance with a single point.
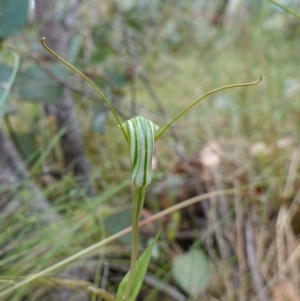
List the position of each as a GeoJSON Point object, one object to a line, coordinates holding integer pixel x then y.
{"type": "Point", "coordinates": [140, 134]}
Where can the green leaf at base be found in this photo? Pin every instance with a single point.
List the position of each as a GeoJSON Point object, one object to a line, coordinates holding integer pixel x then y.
{"type": "Point", "coordinates": [191, 271]}
{"type": "Point", "coordinates": [141, 269]}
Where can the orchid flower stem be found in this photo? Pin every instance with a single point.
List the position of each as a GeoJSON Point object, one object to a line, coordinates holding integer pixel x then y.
{"type": "Point", "coordinates": [137, 205]}
{"type": "Point", "coordinates": [140, 134]}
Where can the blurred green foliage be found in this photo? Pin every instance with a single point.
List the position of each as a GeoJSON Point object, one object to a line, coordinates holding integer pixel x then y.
{"type": "Point", "coordinates": [13, 16]}
{"type": "Point", "coordinates": [183, 56]}
{"type": "Point", "coordinates": [36, 85]}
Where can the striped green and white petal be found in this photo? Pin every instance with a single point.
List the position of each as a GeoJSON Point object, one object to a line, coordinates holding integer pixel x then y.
{"type": "Point", "coordinates": [141, 132]}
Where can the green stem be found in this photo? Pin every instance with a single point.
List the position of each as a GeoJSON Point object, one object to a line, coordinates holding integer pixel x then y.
{"type": "Point", "coordinates": [138, 202]}
{"type": "Point", "coordinates": [287, 9]}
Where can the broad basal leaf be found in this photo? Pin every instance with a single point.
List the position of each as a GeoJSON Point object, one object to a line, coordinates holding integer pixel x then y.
{"type": "Point", "coordinates": [191, 271]}
{"type": "Point", "coordinates": [36, 85]}
{"type": "Point", "coordinates": [118, 222]}
{"type": "Point", "coordinates": [13, 16]}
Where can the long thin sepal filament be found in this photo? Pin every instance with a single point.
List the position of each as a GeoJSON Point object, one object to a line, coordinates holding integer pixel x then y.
{"type": "Point", "coordinates": [199, 99]}
{"type": "Point", "coordinates": [90, 82]}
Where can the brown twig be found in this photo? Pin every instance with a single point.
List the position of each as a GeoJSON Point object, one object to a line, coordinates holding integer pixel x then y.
{"type": "Point", "coordinates": [295, 256]}
{"type": "Point", "coordinates": [257, 280]}
{"type": "Point", "coordinates": [242, 264]}
{"type": "Point", "coordinates": [86, 286]}
{"type": "Point", "coordinates": [221, 241]}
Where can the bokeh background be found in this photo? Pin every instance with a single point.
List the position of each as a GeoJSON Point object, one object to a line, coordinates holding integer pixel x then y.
{"type": "Point", "coordinates": [64, 164]}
